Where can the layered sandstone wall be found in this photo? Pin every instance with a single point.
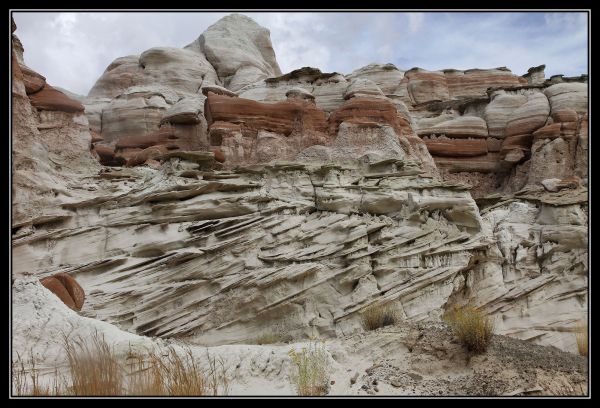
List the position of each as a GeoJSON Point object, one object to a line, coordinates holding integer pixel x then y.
{"type": "Point", "coordinates": [232, 199]}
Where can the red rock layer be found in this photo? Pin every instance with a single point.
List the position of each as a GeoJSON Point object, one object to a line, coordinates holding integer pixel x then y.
{"type": "Point", "coordinates": [475, 82]}
{"type": "Point", "coordinates": [51, 99]}
{"type": "Point", "coordinates": [488, 163]}
{"type": "Point", "coordinates": [368, 112]}
{"type": "Point", "coordinates": [457, 147]}
{"type": "Point", "coordinates": [566, 130]}
{"type": "Point", "coordinates": [135, 148]}
{"type": "Point", "coordinates": [149, 153]}
{"type": "Point", "coordinates": [107, 156]}
{"type": "Point", "coordinates": [281, 117]}
{"type": "Point", "coordinates": [517, 142]}
{"type": "Point", "coordinates": [428, 86]}
{"type": "Point", "coordinates": [33, 81]}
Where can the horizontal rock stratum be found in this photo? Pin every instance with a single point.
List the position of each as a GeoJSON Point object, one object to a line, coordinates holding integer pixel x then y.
{"type": "Point", "coordinates": [201, 194]}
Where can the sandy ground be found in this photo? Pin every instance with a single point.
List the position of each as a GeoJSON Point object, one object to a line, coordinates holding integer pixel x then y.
{"type": "Point", "coordinates": [405, 359]}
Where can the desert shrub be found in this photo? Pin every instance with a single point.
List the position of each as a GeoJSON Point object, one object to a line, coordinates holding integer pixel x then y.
{"type": "Point", "coordinates": [177, 374]}
{"type": "Point", "coordinates": [93, 367]}
{"type": "Point", "coordinates": [581, 335]}
{"type": "Point", "coordinates": [377, 316]}
{"type": "Point", "coordinates": [472, 327]}
{"type": "Point", "coordinates": [310, 375]}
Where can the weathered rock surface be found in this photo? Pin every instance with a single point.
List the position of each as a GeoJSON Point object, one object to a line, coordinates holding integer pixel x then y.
{"type": "Point", "coordinates": [240, 50]}
{"type": "Point", "coordinates": [49, 99]}
{"type": "Point", "coordinates": [298, 200]}
{"type": "Point", "coordinates": [404, 359]}
{"type": "Point", "coordinates": [50, 150]}
{"type": "Point", "coordinates": [385, 76]}
{"type": "Point", "coordinates": [327, 88]}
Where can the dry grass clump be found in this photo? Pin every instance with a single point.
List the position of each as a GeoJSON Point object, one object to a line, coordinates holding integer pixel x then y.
{"type": "Point", "coordinates": [310, 374]}
{"type": "Point", "coordinates": [93, 367]}
{"type": "Point", "coordinates": [269, 338]}
{"type": "Point", "coordinates": [377, 316]}
{"type": "Point", "coordinates": [26, 381]}
{"type": "Point", "coordinates": [94, 370]}
{"type": "Point", "coordinates": [581, 335]}
{"type": "Point", "coordinates": [177, 374]}
{"type": "Point", "coordinates": [472, 326]}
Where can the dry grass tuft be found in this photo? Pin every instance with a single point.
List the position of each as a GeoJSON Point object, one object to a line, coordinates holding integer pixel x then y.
{"type": "Point", "coordinates": [311, 370]}
{"type": "Point", "coordinates": [145, 379]}
{"type": "Point", "coordinates": [269, 338]}
{"type": "Point", "coordinates": [177, 374]}
{"type": "Point", "coordinates": [472, 326]}
{"type": "Point", "coordinates": [581, 335]}
{"type": "Point", "coordinates": [94, 368]}
{"type": "Point", "coordinates": [378, 316]}
{"type": "Point", "coordinates": [26, 381]}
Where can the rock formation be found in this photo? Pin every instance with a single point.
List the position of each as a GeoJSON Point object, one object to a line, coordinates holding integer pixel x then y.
{"type": "Point", "coordinates": [66, 288]}
{"type": "Point", "coordinates": [230, 199]}
{"type": "Point", "coordinates": [50, 147]}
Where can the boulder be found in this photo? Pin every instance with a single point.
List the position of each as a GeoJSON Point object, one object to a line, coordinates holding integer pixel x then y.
{"type": "Point", "coordinates": [55, 286]}
{"type": "Point", "coordinates": [554, 184]}
{"type": "Point", "coordinates": [66, 288]}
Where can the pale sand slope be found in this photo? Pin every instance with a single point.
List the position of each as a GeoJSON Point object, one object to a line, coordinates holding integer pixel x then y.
{"type": "Point", "coordinates": [405, 359]}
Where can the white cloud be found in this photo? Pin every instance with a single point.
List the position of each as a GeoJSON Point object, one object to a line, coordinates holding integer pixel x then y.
{"type": "Point", "coordinates": [73, 49]}
{"type": "Point", "coordinates": [415, 21]}
{"type": "Point", "coordinates": [561, 20]}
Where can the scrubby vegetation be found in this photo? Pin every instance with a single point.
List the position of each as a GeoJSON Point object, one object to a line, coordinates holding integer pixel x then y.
{"type": "Point", "coordinates": [310, 375]}
{"type": "Point", "coordinates": [93, 367]}
{"type": "Point", "coordinates": [377, 316]}
{"type": "Point", "coordinates": [581, 335]}
{"type": "Point", "coordinates": [472, 326]}
{"type": "Point", "coordinates": [269, 338]}
{"type": "Point", "coordinates": [27, 381]}
{"type": "Point", "coordinates": [94, 370]}
{"type": "Point", "coordinates": [176, 374]}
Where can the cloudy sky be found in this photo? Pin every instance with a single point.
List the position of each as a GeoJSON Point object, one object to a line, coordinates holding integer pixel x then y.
{"type": "Point", "coordinates": [72, 49]}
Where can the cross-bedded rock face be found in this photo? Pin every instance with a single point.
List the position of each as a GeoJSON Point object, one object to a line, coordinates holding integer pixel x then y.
{"type": "Point", "coordinates": [259, 200]}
